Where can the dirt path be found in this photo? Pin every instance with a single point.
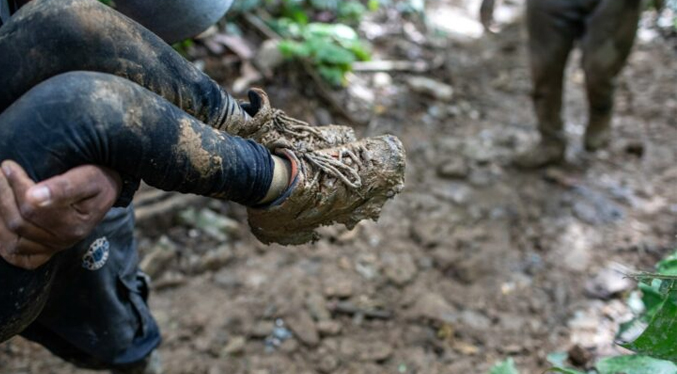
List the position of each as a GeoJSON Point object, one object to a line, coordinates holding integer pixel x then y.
{"type": "Point", "coordinates": [474, 262]}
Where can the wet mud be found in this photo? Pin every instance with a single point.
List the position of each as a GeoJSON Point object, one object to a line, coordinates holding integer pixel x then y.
{"type": "Point", "coordinates": [474, 262]}
{"type": "Point", "coordinates": [344, 184]}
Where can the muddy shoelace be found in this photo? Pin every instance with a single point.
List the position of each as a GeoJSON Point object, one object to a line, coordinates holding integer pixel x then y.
{"type": "Point", "coordinates": [336, 168]}
{"type": "Point", "coordinates": [294, 127]}
{"type": "Point", "coordinates": [329, 165]}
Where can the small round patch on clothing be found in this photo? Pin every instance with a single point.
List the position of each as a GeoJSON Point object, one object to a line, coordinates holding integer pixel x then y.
{"type": "Point", "coordinates": [96, 255]}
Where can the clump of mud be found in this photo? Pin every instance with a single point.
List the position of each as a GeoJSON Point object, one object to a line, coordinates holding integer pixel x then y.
{"type": "Point", "coordinates": [274, 129]}
{"type": "Point", "coordinates": [344, 184]}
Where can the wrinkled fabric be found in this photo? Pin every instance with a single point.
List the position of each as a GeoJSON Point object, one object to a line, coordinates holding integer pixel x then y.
{"type": "Point", "coordinates": [82, 84]}
{"type": "Point", "coordinates": [605, 30]}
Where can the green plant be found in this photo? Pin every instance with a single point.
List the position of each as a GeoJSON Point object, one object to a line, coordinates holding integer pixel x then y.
{"type": "Point", "coordinates": [320, 32]}
{"type": "Point", "coordinates": [672, 4]}
{"type": "Point", "coordinates": [504, 367]}
{"type": "Point", "coordinates": [652, 334]}
{"type": "Point", "coordinates": [183, 46]}
{"type": "Point", "coordinates": [630, 364]}
{"type": "Point", "coordinates": [658, 315]}
{"type": "Point", "coordinates": [331, 48]}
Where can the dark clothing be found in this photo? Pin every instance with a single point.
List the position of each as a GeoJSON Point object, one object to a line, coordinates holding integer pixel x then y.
{"type": "Point", "coordinates": [606, 31]}
{"type": "Point", "coordinates": [82, 84]}
{"type": "Point", "coordinates": [81, 118]}
{"type": "Point", "coordinates": [7, 8]}
{"type": "Point", "coordinates": [174, 20]}
{"type": "Point", "coordinates": [91, 317]}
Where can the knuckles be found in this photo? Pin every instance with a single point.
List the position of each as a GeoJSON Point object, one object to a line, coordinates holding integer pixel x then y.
{"type": "Point", "coordinates": [76, 233]}
{"type": "Point", "coordinates": [28, 211]}
{"type": "Point", "coordinates": [16, 225]}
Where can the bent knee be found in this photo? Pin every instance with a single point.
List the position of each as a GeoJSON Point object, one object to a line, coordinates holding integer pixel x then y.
{"type": "Point", "coordinates": [80, 89]}
{"type": "Point", "coordinates": [65, 22]}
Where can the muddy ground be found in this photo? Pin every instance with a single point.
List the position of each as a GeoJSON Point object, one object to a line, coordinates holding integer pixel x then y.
{"type": "Point", "coordinates": [474, 262]}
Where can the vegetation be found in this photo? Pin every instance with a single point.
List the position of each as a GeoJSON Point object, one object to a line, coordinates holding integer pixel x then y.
{"type": "Point", "coordinates": [652, 334]}
{"type": "Point", "coordinates": [318, 31]}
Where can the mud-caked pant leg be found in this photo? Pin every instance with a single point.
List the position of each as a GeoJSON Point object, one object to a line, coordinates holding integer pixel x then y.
{"type": "Point", "coordinates": [553, 26]}
{"type": "Point", "coordinates": [610, 34]}
{"type": "Point", "coordinates": [94, 118]}
{"type": "Point", "coordinates": [46, 38]}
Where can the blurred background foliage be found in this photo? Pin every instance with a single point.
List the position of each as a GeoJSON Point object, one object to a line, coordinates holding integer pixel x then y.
{"type": "Point", "coordinates": [322, 32]}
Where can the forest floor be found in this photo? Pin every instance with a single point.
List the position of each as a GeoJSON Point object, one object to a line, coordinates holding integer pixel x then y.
{"type": "Point", "coordinates": [474, 262]}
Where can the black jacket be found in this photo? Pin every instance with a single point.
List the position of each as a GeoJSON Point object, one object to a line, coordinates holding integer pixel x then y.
{"type": "Point", "coordinates": [7, 8]}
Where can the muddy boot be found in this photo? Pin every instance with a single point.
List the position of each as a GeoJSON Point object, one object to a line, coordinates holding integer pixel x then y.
{"type": "Point", "coordinates": [597, 137]}
{"type": "Point", "coordinates": [344, 184]}
{"type": "Point", "coordinates": [274, 129]}
{"type": "Point", "coordinates": [546, 152]}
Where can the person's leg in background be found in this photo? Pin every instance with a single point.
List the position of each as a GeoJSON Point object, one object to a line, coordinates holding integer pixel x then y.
{"type": "Point", "coordinates": [553, 28]}
{"type": "Point", "coordinates": [611, 30]}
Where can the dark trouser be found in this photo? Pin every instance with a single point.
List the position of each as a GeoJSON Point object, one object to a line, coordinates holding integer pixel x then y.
{"type": "Point", "coordinates": [606, 29]}
{"type": "Point", "coordinates": [140, 109]}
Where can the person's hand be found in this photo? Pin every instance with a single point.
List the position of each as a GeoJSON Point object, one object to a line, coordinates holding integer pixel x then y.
{"type": "Point", "coordinates": [39, 220]}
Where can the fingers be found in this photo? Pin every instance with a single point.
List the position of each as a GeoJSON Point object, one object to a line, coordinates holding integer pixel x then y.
{"type": "Point", "coordinates": [66, 189]}
{"type": "Point", "coordinates": [17, 177]}
{"type": "Point", "coordinates": [9, 212]}
{"type": "Point", "coordinates": [14, 220]}
{"type": "Point", "coordinates": [21, 252]}
{"type": "Point", "coordinates": [54, 214]}
{"type": "Point", "coordinates": [28, 262]}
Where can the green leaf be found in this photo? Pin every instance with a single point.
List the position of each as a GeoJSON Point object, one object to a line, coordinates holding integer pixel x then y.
{"type": "Point", "coordinates": [373, 5]}
{"type": "Point", "coordinates": [665, 287]}
{"type": "Point", "coordinates": [295, 13]}
{"type": "Point", "coordinates": [332, 54]}
{"type": "Point", "coordinates": [330, 5]}
{"type": "Point", "coordinates": [359, 50]}
{"type": "Point", "coordinates": [286, 27]}
{"type": "Point", "coordinates": [651, 298]}
{"type": "Point", "coordinates": [658, 340]}
{"type": "Point", "coordinates": [563, 370]}
{"type": "Point", "coordinates": [243, 6]}
{"type": "Point", "coordinates": [629, 331]}
{"type": "Point", "coordinates": [338, 31]}
{"type": "Point", "coordinates": [351, 11]}
{"type": "Point", "coordinates": [504, 367]}
{"type": "Point", "coordinates": [557, 358]}
{"type": "Point", "coordinates": [668, 265]}
{"type": "Point", "coordinates": [293, 49]}
{"type": "Point", "coordinates": [183, 46]}
{"type": "Point", "coordinates": [333, 75]}
{"type": "Point", "coordinates": [635, 364]}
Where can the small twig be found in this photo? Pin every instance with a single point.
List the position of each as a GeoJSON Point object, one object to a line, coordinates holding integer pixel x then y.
{"type": "Point", "coordinates": [349, 308]}
{"type": "Point", "coordinates": [390, 65]}
{"type": "Point", "coordinates": [646, 275]}
{"type": "Point", "coordinates": [148, 195]}
{"type": "Point", "coordinates": [162, 207]}
{"type": "Point", "coordinates": [260, 25]}
{"type": "Point", "coordinates": [170, 280]}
